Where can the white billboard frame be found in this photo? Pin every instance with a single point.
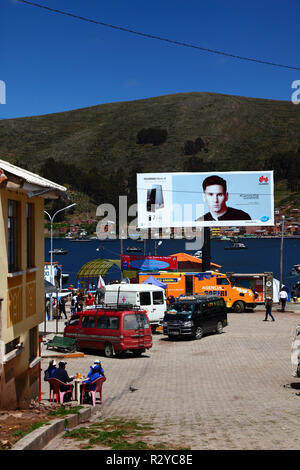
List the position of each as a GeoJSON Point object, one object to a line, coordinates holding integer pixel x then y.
{"type": "Point", "coordinates": [180, 200]}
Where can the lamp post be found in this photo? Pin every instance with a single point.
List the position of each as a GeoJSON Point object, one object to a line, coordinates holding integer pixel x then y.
{"type": "Point", "coordinates": [51, 248]}
{"type": "Point", "coordinates": [281, 251]}
{"type": "Point", "coordinates": [156, 244]}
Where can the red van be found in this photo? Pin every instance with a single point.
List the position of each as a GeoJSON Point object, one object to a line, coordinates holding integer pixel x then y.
{"type": "Point", "coordinates": [112, 330]}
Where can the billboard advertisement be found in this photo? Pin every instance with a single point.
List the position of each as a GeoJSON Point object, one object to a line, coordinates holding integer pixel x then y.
{"type": "Point", "coordinates": [149, 263]}
{"type": "Point", "coordinates": [214, 199]}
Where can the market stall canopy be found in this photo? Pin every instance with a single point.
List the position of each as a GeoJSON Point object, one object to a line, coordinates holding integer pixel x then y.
{"type": "Point", "coordinates": [96, 268]}
{"type": "Point", "coordinates": [191, 263]}
{"type": "Point", "coordinates": [50, 288]}
{"type": "Point", "coordinates": [155, 282]}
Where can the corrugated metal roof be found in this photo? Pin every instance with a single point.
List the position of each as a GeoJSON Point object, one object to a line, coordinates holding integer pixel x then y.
{"type": "Point", "coordinates": [29, 177]}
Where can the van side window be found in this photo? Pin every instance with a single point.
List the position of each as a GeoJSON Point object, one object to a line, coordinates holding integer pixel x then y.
{"type": "Point", "coordinates": [74, 320]}
{"type": "Point", "coordinates": [221, 281]}
{"type": "Point", "coordinates": [102, 322]}
{"type": "Point", "coordinates": [88, 321]}
{"type": "Point", "coordinates": [145, 298]}
{"type": "Point", "coordinates": [158, 298]}
{"type": "Point", "coordinates": [113, 323]}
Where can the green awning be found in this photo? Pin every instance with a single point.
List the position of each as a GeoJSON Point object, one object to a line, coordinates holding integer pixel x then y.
{"type": "Point", "coordinates": [97, 267]}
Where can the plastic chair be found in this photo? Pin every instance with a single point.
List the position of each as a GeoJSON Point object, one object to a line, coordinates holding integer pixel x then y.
{"type": "Point", "coordinates": [55, 385]}
{"type": "Point", "coordinates": [99, 382]}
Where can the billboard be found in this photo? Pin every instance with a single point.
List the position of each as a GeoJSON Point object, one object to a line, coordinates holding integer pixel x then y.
{"type": "Point", "coordinates": [214, 199]}
{"type": "Point", "coordinates": [148, 263]}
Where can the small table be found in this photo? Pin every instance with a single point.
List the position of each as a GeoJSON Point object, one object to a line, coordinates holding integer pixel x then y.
{"type": "Point", "coordinates": [77, 383]}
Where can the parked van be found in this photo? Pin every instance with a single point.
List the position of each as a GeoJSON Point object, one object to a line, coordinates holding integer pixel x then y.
{"type": "Point", "coordinates": [112, 330]}
{"type": "Point", "coordinates": [195, 315]}
{"type": "Point", "coordinates": [205, 283]}
{"type": "Point", "coordinates": [146, 296]}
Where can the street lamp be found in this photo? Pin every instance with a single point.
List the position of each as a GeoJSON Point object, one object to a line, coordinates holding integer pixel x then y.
{"type": "Point", "coordinates": [51, 245]}
{"type": "Point", "coordinates": [281, 251]}
{"type": "Point", "coordinates": [156, 244]}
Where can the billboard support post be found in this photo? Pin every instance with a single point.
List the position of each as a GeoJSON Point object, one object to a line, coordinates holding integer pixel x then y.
{"type": "Point", "coordinates": [206, 250]}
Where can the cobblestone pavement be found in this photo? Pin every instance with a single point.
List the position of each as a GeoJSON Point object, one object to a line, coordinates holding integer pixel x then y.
{"type": "Point", "coordinates": [228, 391]}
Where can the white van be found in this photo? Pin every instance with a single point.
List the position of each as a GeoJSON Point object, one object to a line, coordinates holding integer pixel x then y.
{"type": "Point", "coordinates": [148, 297]}
{"type": "Point", "coordinates": [295, 352]}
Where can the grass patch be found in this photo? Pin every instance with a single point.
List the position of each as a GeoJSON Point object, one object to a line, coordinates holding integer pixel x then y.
{"type": "Point", "coordinates": [63, 411]}
{"type": "Point", "coordinates": [117, 434]}
{"type": "Point", "coordinates": [20, 433]}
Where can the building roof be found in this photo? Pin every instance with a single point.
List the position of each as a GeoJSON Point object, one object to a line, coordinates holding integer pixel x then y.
{"type": "Point", "coordinates": [31, 183]}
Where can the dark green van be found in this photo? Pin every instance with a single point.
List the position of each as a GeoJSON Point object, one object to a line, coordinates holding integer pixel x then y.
{"type": "Point", "coordinates": [195, 315]}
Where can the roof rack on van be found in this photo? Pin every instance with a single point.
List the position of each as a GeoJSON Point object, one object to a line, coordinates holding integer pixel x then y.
{"type": "Point", "coordinates": [116, 307]}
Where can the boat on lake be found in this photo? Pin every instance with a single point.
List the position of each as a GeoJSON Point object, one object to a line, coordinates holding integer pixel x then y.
{"type": "Point", "coordinates": [133, 249]}
{"type": "Point", "coordinates": [58, 251]}
{"type": "Point", "coordinates": [236, 246]}
{"type": "Point", "coordinates": [198, 254]}
{"type": "Point", "coordinates": [81, 239]}
{"type": "Point", "coordinates": [295, 271]}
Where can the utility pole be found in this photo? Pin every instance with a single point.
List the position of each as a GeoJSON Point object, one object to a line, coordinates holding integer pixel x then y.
{"type": "Point", "coordinates": [281, 250]}
{"type": "Point", "coordinates": [206, 250]}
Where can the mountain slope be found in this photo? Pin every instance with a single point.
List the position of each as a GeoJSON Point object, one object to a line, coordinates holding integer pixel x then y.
{"type": "Point", "coordinates": [235, 133]}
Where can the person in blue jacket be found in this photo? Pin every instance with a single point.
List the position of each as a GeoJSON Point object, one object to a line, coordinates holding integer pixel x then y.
{"type": "Point", "coordinates": [50, 371]}
{"type": "Point", "coordinates": [96, 371]}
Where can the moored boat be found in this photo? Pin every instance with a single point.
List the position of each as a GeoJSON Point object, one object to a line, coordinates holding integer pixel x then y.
{"type": "Point", "coordinates": [58, 251]}
{"type": "Point", "coordinates": [133, 249]}
{"type": "Point", "coordinates": [236, 246]}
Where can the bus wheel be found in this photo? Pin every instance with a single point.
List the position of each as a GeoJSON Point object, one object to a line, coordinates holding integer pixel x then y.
{"type": "Point", "coordinates": [239, 307]}
{"type": "Point", "coordinates": [108, 350]}
{"type": "Point", "coordinates": [198, 332]}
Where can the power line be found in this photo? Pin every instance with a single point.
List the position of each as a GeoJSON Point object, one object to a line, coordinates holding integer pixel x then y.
{"type": "Point", "coordinates": [159, 38]}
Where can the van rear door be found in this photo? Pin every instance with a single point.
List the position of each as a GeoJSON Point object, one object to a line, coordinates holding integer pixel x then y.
{"type": "Point", "coordinates": [136, 331]}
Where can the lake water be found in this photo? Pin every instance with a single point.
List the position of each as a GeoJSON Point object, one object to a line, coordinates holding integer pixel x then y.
{"type": "Point", "coordinates": [261, 255]}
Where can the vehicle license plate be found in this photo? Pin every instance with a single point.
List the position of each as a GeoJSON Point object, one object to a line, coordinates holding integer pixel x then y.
{"type": "Point", "coordinates": [173, 332]}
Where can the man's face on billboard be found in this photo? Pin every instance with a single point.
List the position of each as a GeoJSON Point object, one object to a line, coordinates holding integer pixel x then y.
{"type": "Point", "coordinates": [216, 198]}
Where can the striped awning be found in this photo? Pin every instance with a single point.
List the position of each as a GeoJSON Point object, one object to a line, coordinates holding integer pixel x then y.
{"type": "Point", "coordinates": [97, 267]}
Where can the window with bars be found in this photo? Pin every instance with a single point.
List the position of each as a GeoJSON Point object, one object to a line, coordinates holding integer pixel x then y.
{"type": "Point", "coordinates": [30, 235]}
{"type": "Point", "coordinates": [13, 236]}
{"type": "Point", "coordinates": [32, 344]}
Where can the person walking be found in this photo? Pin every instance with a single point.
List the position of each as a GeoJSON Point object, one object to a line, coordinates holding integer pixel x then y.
{"type": "Point", "coordinates": [268, 305]}
{"type": "Point", "coordinates": [283, 296]}
{"type": "Point", "coordinates": [74, 303]}
{"type": "Point", "coordinates": [62, 307]}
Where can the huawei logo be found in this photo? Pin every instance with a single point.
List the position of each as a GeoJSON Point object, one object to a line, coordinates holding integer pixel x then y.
{"type": "Point", "coordinates": [263, 179]}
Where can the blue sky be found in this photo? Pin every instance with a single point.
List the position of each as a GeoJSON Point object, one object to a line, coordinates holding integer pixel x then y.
{"type": "Point", "coordinates": [52, 63]}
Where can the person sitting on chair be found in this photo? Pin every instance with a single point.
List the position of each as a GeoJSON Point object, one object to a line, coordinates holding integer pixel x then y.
{"type": "Point", "coordinates": [62, 375]}
{"type": "Point", "coordinates": [96, 372]}
{"type": "Point", "coordinates": [50, 371]}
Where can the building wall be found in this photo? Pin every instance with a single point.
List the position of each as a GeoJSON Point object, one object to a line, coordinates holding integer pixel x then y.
{"type": "Point", "coordinates": [22, 308]}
